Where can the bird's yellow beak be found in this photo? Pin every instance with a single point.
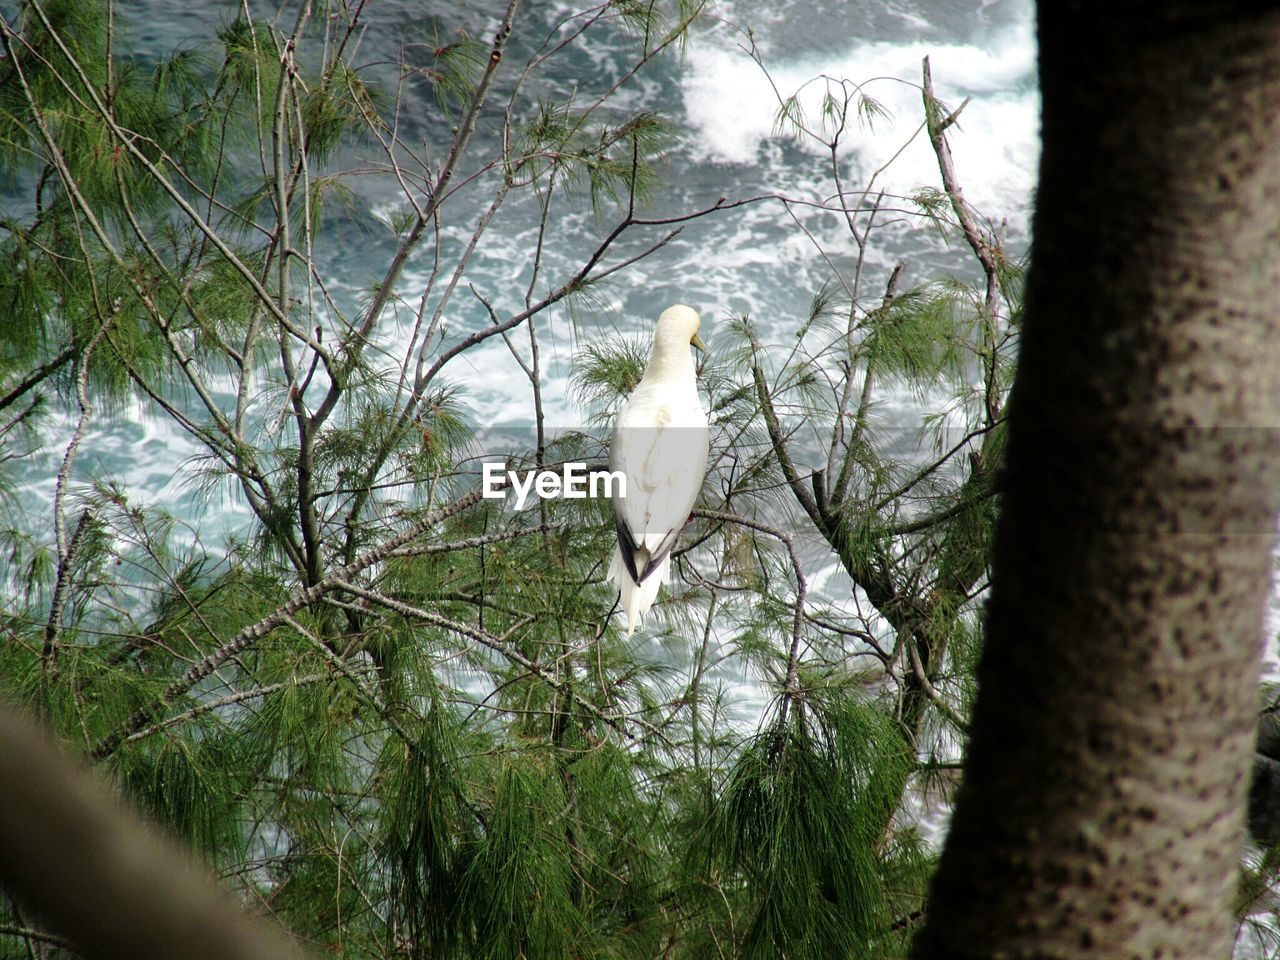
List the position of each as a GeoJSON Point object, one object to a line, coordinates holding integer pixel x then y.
{"type": "Point", "coordinates": [697, 342]}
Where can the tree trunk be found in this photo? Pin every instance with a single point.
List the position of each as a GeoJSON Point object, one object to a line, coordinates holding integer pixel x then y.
{"type": "Point", "coordinates": [1103, 803]}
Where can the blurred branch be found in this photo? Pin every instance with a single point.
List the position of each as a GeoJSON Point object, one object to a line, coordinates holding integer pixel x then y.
{"type": "Point", "coordinates": [102, 876]}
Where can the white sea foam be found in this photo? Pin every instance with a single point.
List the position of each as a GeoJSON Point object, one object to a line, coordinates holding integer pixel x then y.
{"type": "Point", "coordinates": [731, 104]}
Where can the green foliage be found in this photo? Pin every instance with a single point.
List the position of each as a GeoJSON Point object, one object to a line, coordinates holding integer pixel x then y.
{"type": "Point", "coordinates": [611, 162]}
{"type": "Point", "coordinates": [455, 69]}
{"type": "Point", "coordinates": [518, 887]}
{"type": "Point", "coordinates": [183, 781]}
{"type": "Point", "coordinates": [606, 370]}
{"type": "Point", "coordinates": [428, 831]}
{"type": "Point", "coordinates": [1258, 878]}
{"type": "Point", "coordinates": [797, 828]}
{"type": "Point", "coordinates": [915, 339]}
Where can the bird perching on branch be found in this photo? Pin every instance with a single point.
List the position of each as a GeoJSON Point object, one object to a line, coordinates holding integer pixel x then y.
{"type": "Point", "coordinates": [660, 443]}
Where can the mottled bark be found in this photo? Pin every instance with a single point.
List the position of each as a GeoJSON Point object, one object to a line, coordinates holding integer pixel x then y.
{"type": "Point", "coordinates": [1103, 805]}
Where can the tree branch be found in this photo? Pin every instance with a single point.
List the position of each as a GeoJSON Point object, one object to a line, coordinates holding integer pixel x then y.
{"type": "Point", "coordinates": [103, 877]}
{"type": "Point", "coordinates": [249, 635]}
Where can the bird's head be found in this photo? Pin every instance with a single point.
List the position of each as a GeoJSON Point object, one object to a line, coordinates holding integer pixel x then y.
{"type": "Point", "coordinates": [679, 325]}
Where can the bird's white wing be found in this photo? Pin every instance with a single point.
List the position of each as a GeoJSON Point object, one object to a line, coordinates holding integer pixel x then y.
{"type": "Point", "coordinates": [660, 444]}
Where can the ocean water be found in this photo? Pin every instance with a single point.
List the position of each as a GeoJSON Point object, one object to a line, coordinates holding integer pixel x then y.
{"type": "Point", "coordinates": [755, 260]}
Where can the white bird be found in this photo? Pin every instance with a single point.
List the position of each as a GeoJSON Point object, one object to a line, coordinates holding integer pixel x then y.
{"type": "Point", "coordinates": [660, 443]}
